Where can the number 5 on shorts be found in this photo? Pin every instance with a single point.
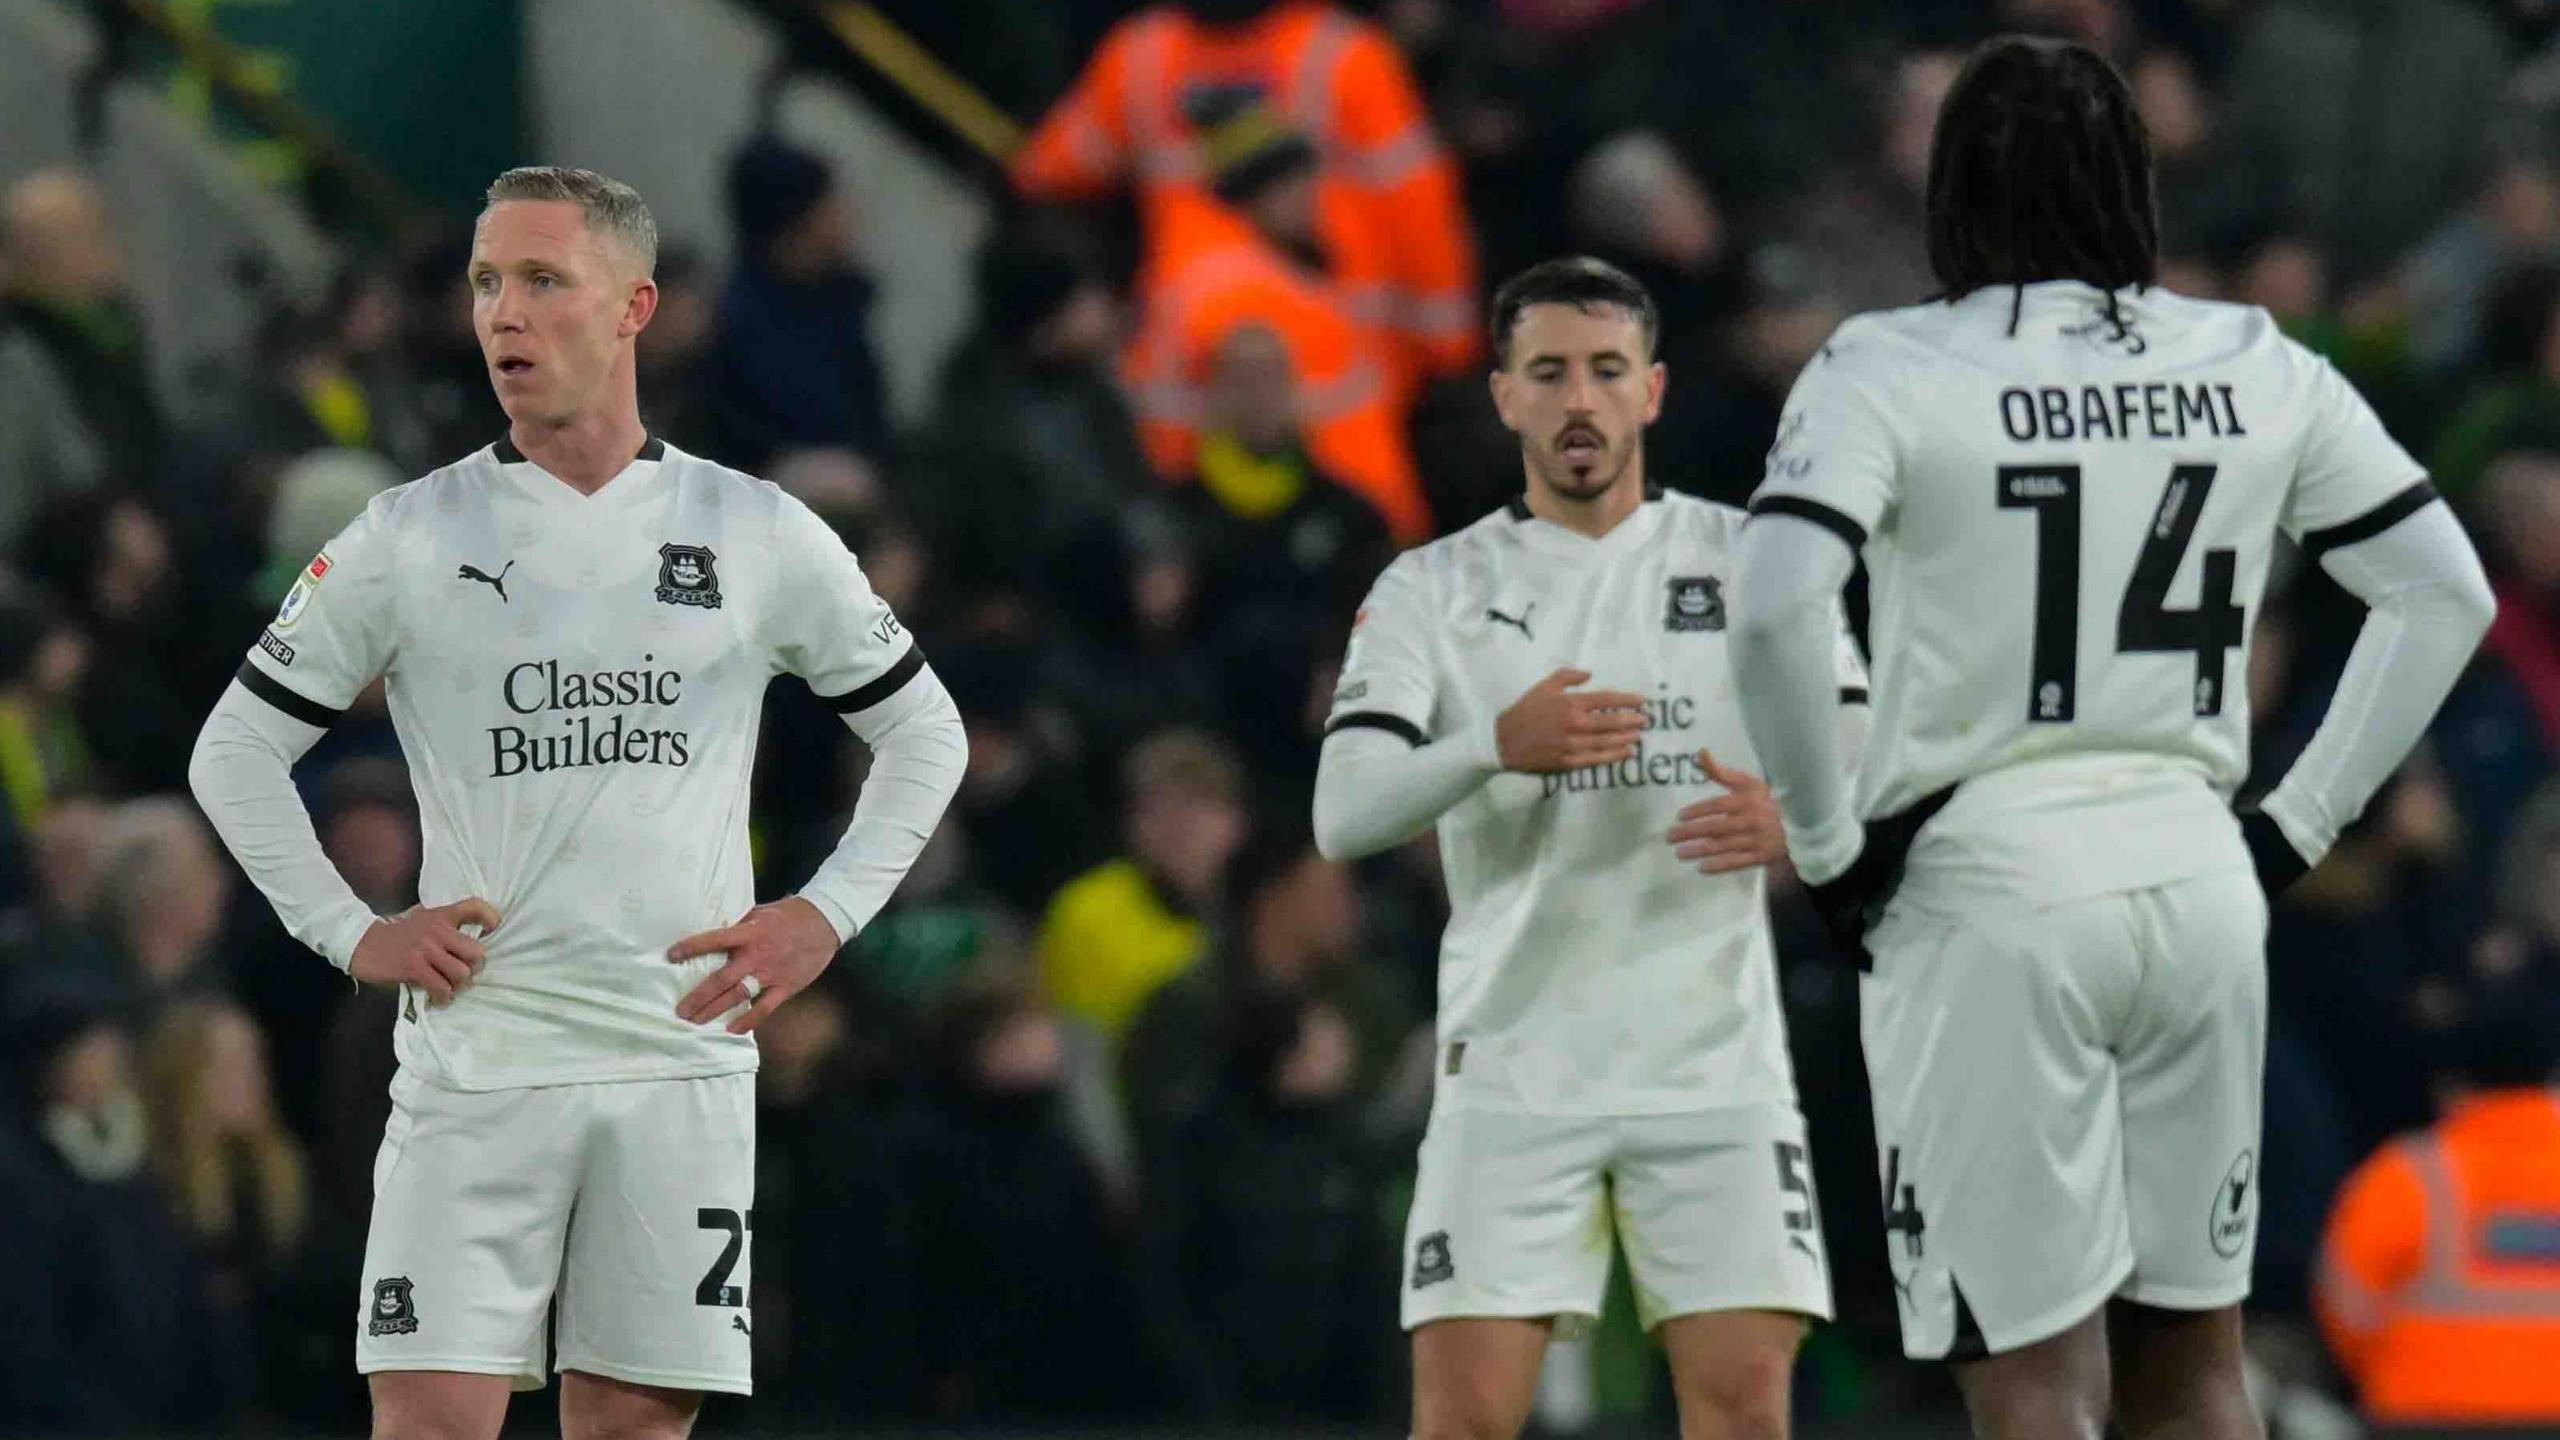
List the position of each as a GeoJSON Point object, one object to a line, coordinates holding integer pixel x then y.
{"type": "Point", "coordinates": [715, 1288]}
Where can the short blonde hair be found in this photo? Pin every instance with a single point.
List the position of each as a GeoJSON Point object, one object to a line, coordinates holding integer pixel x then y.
{"type": "Point", "coordinates": [611, 207]}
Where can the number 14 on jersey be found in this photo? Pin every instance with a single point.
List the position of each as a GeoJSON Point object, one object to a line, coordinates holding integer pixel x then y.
{"type": "Point", "coordinates": [2145, 625]}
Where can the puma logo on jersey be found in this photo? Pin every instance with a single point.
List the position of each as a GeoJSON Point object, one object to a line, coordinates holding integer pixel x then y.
{"type": "Point", "coordinates": [1519, 623]}
{"type": "Point", "coordinates": [739, 1324]}
{"type": "Point", "coordinates": [497, 582]}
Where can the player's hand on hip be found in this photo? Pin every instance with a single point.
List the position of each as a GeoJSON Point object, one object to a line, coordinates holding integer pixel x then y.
{"type": "Point", "coordinates": [1732, 831]}
{"type": "Point", "coordinates": [424, 946]}
{"type": "Point", "coordinates": [774, 954]}
{"type": "Point", "coordinates": [1553, 728]}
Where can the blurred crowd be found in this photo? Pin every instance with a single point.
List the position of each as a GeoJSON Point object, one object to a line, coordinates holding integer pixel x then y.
{"type": "Point", "coordinates": [1108, 1116]}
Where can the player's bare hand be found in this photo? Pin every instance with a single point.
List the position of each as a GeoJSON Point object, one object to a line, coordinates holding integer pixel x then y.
{"type": "Point", "coordinates": [1732, 831]}
{"type": "Point", "coordinates": [774, 954]}
{"type": "Point", "coordinates": [424, 946]}
{"type": "Point", "coordinates": [1554, 728]}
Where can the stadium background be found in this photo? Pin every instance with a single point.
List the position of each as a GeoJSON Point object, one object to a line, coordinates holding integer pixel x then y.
{"type": "Point", "coordinates": [1105, 1124]}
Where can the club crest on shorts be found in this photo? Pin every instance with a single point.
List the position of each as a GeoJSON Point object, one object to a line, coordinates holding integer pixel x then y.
{"type": "Point", "coordinates": [394, 1313]}
{"type": "Point", "coordinates": [685, 576]}
{"type": "Point", "coordinates": [1697, 603]}
{"type": "Point", "coordinates": [1431, 1262]}
{"type": "Point", "coordinates": [2235, 1207]}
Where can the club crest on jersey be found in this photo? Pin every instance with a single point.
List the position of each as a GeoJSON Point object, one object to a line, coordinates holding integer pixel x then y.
{"type": "Point", "coordinates": [1697, 603]}
{"type": "Point", "coordinates": [394, 1312]}
{"type": "Point", "coordinates": [685, 576]}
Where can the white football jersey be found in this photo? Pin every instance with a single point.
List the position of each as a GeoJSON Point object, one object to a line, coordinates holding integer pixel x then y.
{"type": "Point", "coordinates": [2068, 530]}
{"type": "Point", "coordinates": [1587, 970]}
{"type": "Point", "coordinates": [577, 682]}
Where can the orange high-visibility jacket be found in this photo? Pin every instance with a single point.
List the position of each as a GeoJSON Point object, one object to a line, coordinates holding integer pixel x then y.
{"type": "Point", "coordinates": [1216, 274]}
{"type": "Point", "coordinates": [2439, 1282]}
{"type": "Point", "coordinates": [1393, 214]}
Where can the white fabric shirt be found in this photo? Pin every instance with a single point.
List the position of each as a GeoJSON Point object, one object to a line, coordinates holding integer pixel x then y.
{"type": "Point", "coordinates": [2068, 531]}
{"type": "Point", "coordinates": [1586, 970]}
{"type": "Point", "coordinates": [577, 682]}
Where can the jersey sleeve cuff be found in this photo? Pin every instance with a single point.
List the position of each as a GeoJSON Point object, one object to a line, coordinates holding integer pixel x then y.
{"type": "Point", "coordinates": [1825, 852]}
{"type": "Point", "coordinates": [339, 937]}
{"type": "Point", "coordinates": [837, 916]}
{"type": "Point", "coordinates": [2310, 839]}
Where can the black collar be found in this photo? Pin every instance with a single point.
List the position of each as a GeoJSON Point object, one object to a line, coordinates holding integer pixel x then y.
{"type": "Point", "coordinates": [1519, 506]}
{"type": "Point", "coordinates": [651, 448]}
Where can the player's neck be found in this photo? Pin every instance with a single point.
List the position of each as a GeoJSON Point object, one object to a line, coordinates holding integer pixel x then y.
{"type": "Point", "coordinates": [587, 450]}
{"type": "Point", "coordinates": [1596, 516]}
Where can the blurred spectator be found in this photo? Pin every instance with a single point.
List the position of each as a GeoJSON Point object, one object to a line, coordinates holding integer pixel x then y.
{"type": "Point", "coordinates": [674, 353]}
{"type": "Point", "coordinates": [337, 374]}
{"type": "Point", "coordinates": [2437, 1287]}
{"type": "Point", "coordinates": [793, 366]}
{"type": "Point", "coordinates": [1117, 932]}
{"type": "Point", "coordinates": [2307, 79]}
{"type": "Point", "coordinates": [1140, 112]}
{"type": "Point", "coordinates": [1031, 440]}
{"type": "Point", "coordinates": [834, 1195]}
{"type": "Point", "coordinates": [2518, 510]}
{"type": "Point", "coordinates": [234, 1176]}
{"type": "Point", "coordinates": [1029, 824]}
{"type": "Point", "coordinates": [1282, 551]}
{"type": "Point", "coordinates": [2514, 402]}
{"type": "Point", "coordinates": [455, 399]}
{"type": "Point", "coordinates": [69, 328]}
{"type": "Point", "coordinates": [113, 1329]}
{"type": "Point", "coordinates": [109, 563]}
{"type": "Point", "coordinates": [1265, 1228]}
{"type": "Point", "coordinates": [1857, 240]}
{"type": "Point", "coordinates": [162, 893]}
{"type": "Point", "coordinates": [1292, 928]}
{"type": "Point", "coordinates": [939, 929]}
{"type": "Point", "coordinates": [2514, 218]}
{"type": "Point", "coordinates": [1029, 1317]}
{"type": "Point", "coordinates": [316, 496]}
{"type": "Point", "coordinates": [238, 1184]}
{"type": "Point", "coordinates": [366, 816]}
{"type": "Point", "coordinates": [42, 753]}
{"type": "Point", "coordinates": [1237, 258]}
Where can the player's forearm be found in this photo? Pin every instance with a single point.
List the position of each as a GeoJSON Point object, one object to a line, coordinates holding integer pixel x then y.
{"type": "Point", "coordinates": [242, 776]}
{"type": "Point", "coordinates": [918, 752]}
{"type": "Point", "coordinates": [1787, 577]}
{"type": "Point", "coordinates": [1374, 791]}
{"type": "Point", "coordinates": [2430, 605]}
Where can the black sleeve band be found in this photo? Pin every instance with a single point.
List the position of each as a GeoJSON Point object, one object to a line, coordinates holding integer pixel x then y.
{"type": "Point", "coordinates": [1853, 694]}
{"type": "Point", "coordinates": [2373, 522]}
{"type": "Point", "coordinates": [1817, 512]}
{"type": "Point", "coordinates": [266, 687]}
{"type": "Point", "coordinates": [863, 697]}
{"type": "Point", "coordinates": [1395, 725]}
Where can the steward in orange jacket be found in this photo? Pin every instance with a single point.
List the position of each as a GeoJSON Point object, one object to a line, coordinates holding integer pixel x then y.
{"type": "Point", "coordinates": [1393, 217]}
{"type": "Point", "coordinates": [2439, 1285]}
{"type": "Point", "coordinates": [1243, 257]}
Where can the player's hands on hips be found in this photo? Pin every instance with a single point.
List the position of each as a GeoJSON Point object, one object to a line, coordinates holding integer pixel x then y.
{"type": "Point", "coordinates": [774, 953]}
{"type": "Point", "coordinates": [1548, 730]}
{"type": "Point", "coordinates": [424, 946]}
{"type": "Point", "coordinates": [1732, 831]}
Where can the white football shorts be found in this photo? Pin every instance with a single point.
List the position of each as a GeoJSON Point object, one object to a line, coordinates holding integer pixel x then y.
{"type": "Point", "coordinates": [630, 1205]}
{"type": "Point", "coordinates": [1513, 1214]}
{"type": "Point", "coordinates": [2067, 1104]}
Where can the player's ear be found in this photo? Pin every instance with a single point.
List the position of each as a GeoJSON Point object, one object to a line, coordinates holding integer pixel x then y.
{"type": "Point", "coordinates": [1657, 379]}
{"type": "Point", "coordinates": [1500, 380]}
{"type": "Point", "coordinates": [639, 308]}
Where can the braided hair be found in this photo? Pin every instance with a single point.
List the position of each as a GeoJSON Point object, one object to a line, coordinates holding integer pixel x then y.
{"type": "Point", "coordinates": [2041, 170]}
